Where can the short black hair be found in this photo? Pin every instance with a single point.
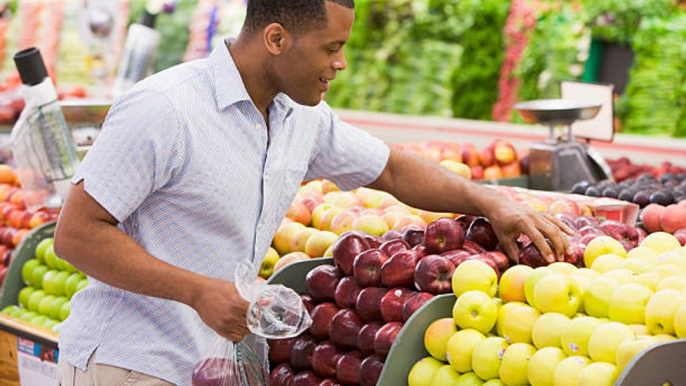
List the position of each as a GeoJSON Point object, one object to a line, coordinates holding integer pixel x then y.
{"type": "Point", "coordinates": [296, 16]}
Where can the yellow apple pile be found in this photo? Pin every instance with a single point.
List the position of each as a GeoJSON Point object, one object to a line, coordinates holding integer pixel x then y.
{"type": "Point", "coordinates": [558, 325]}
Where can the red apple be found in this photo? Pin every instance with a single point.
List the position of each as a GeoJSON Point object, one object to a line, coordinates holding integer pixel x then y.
{"type": "Point", "coordinates": [434, 274]}
{"type": "Point", "coordinates": [567, 219]}
{"type": "Point", "coordinates": [373, 240]}
{"type": "Point", "coordinates": [282, 375]}
{"type": "Point", "coordinates": [617, 230]}
{"type": "Point", "coordinates": [477, 172]}
{"type": "Point", "coordinates": [465, 221]}
{"type": "Point", "coordinates": [488, 260]}
{"type": "Point", "coordinates": [324, 358]}
{"type": "Point", "coordinates": [392, 304]}
{"type": "Point", "coordinates": [413, 236]}
{"type": "Point", "coordinates": [414, 303]}
{"type": "Point", "coordinates": [394, 246]}
{"type": "Point", "coordinates": [482, 233]}
{"type": "Point", "coordinates": [486, 156]}
{"type": "Point", "coordinates": [500, 259]}
{"type": "Point", "coordinates": [577, 255]}
{"type": "Point", "coordinates": [368, 301]}
{"type": "Point", "coordinates": [346, 247]}
{"type": "Point", "coordinates": [456, 256]}
{"type": "Point", "coordinates": [329, 382]}
{"type": "Point", "coordinates": [212, 372]}
{"type": "Point", "coordinates": [365, 339]}
{"type": "Point", "coordinates": [398, 271]}
{"type": "Point", "coordinates": [301, 352]}
{"type": "Point", "coordinates": [346, 292]}
{"type": "Point", "coordinates": [443, 234]}
{"type": "Point", "coordinates": [420, 249]}
{"type": "Point", "coordinates": [385, 337]}
{"type": "Point", "coordinates": [308, 303]}
{"type": "Point", "coordinates": [321, 319]}
{"type": "Point", "coordinates": [280, 349]}
{"type": "Point", "coordinates": [321, 282]}
{"type": "Point", "coordinates": [391, 234]}
{"type": "Point", "coordinates": [583, 221]}
{"type": "Point", "coordinates": [348, 368]}
{"type": "Point", "coordinates": [531, 256]}
{"type": "Point", "coordinates": [367, 267]}
{"type": "Point", "coordinates": [306, 378]}
{"type": "Point", "coordinates": [636, 235]}
{"type": "Point", "coordinates": [680, 235]}
{"type": "Point", "coordinates": [345, 326]}
{"type": "Point", "coordinates": [370, 370]}
{"type": "Point", "coordinates": [472, 247]}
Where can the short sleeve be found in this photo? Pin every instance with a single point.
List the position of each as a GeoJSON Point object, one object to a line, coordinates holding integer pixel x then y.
{"type": "Point", "coordinates": [136, 153]}
{"type": "Point", "coordinates": [346, 155]}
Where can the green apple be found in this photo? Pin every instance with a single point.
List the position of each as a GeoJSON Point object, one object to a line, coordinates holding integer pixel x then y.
{"type": "Point", "coordinates": [567, 372]}
{"type": "Point", "coordinates": [605, 339]}
{"type": "Point", "coordinates": [607, 262]}
{"type": "Point", "coordinates": [503, 311]}
{"type": "Point", "coordinates": [49, 284]}
{"type": "Point", "coordinates": [628, 349]}
{"type": "Point", "coordinates": [65, 311]}
{"type": "Point", "coordinates": [562, 267]}
{"type": "Point", "coordinates": [511, 286]}
{"type": "Point", "coordinates": [36, 279]}
{"type": "Point", "coordinates": [42, 248]}
{"type": "Point", "coordinates": [51, 258]}
{"type": "Point", "coordinates": [445, 375]}
{"type": "Point", "coordinates": [38, 320]}
{"type": "Point", "coordinates": [24, 295]}
{"type": "Point", "coordinates": [475, 309]}
{"type": "Point", "coordinates": [266, 268]}
{"type": "Point", "coordinates": [547, 330]}
{"type": "Point", "coordinates": [71, 284]}
{"type": "Point", "coordinates": [628, 303]}
{"type": "Point", "coordinates": [422, 371]}
{"type": "Point", "coordinates": [60, 282]}
{"type": "Point", "coordinates": [27, 270]}
{"type": "Point", "coordinates": [44, 304]}
{"type": "Point", "coordinates": [518, 324]}
{"type": "Point", "coordinates": [34, 300]}
{"type": "Point", "coordinates": [575, 337]}
{"type": "Point", "coordinates": [531, 282]}
{"type": "Point", "coordinates": [660, 311]}
{"type": "Point", "coordinates": [51, 324]}
{"type": "Point", "coordinates": [598, 295]}
{"type": "Point", "coordinates": [513, 367]}
{"type": "Point", "coordinates": [677, 282]}
{"type": "Point", "coordinates": [557, 293]}
{"type": "Point", "coordinates": [56, 307]}
{"type": "Point", "coordinates": [469, 379]}
{"type": "Point", "coordinates": [487, 356]}
{"type": "Point", "coordinates": [82, 284]}
{"type": "Point", "coordinates": [598, 374]}
{"type": "Point", "coordinates": [11, 310]}
{"type": "Point", "coordinates": [680, 322]}
{"type": "Point", "coordinates": [542, 366]}
{"type": "Point", "coordinates": [28, 315]}
{"type": "Point", "coordinates": [460, 347]}
{"type": "Point", "coordinates": [474, 275]}
{"type": "Point", "coordinates": [437, 335]}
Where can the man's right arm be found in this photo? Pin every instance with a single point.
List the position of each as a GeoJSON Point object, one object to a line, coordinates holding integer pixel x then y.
{"type": "Point", "coordinates": [87, 236]}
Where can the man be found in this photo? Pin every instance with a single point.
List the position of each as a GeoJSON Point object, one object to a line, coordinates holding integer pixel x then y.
{"type": "Point", "coordinates": [193, 171]}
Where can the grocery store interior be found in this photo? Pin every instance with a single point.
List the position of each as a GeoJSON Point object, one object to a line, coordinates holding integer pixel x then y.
{"type": "Point", "coordinates": [573, 110]}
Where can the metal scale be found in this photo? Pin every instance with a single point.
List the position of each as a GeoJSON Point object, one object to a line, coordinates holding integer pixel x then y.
{"type": "Point", "coordinates": [84, 118]}
{"type": "Point", "coordinates": [561, 160]}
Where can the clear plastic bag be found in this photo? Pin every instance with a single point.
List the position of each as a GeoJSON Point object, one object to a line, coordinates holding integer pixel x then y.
{"type": "Point", "coordinates": [275, 312]}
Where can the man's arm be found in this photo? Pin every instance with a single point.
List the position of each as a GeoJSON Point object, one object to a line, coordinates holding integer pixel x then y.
{"type": "Point", "coordinates": [424, 184]}
{"type": "Point", "coordinates": [87, 236]}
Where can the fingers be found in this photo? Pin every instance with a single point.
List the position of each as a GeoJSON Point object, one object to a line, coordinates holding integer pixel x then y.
{"type": "Point", "coordinates": [540, 243]}
{"type": "Point", "coordinates": [511, 250]}
{"type": "Point", "coordinates": [566, 229]}
{"type": "Point", "coordinates": [552, 229]}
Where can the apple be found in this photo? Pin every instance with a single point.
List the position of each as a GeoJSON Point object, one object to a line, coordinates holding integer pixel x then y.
{"type": "Point", "coordinates": [547, 330]}
{"type": "Point", "coordinates": [598, 295]}
{"type": "Point", "coordinates": [282, 375]}
{"type": "Point", "coordinates": [410, 220]}
{"type": "Point", "coordinates": [602, 245]}
{"type": "Point", "coordinates": [268, 262]}
{"type": "Point", "coordinates": [487, 356]}
{"type": "Point", "coordinates": [680, 322]}
{"type": "Point", "coordinates": [460, 347]}
{"type": "Point", "coordinates": [374, 241]}
{"type": "Point", "coordinates": [301, 352]}
{"type": "Point", "coordinates": [420, 249]}
{"type": "Point", "coordinates": [629, 348]}
{"type": "Point", "coordinates": [598, 373]}
{"type": "Point", "coordinates": [628, 303]}
{"type": "Point", "coordinates": [415, 302]}
{"type": "Point", "coordinates": [605, 339]}
{"type": "Point", "coordinates": [413, 236]}
{"type": "Point", "coordinates": [557, 293]}
{"type": "Point", "coordinates": [329, 382]}
{"type": "Point", "coordinates": [567, 372]}
{"type": "Point", "coordinates": [348, 245]}
{"type": "Point", "coordinates": [307, 378]}
{"type": "Point", "coordinates": [677, 282]}
{"type": "Point", "coordinates": [660, 311]}
{"type": "Point", "coordinates": [321, 319]}
{"type": "Point", "coordinates": [344, 328]}
{"type": "Point", "coordinates": [366, 336]}
{"type": "Point", "coordinates": [445, 375]}
{"type": "Point", "coordinates": [325, 357]}
{"type": "Point", "coordinates": [290, 258]}
{"type": "Point", "coordinates": [515, 363]}
{"type": "Point", "coordinates": [607, 262]}
{"type": "Point", "coordinates": [444, 234]}
{"type": "Point", "coordinates": [370, 223]}
{"type": "Point", "coordinates": [541, 368]}
{"type": "Point", "coordinates": [519, 323]}
{"type": "Point", "coordinates": [531, 256]}
{"type": "Point", "coordinates": [391, 247]}
{"type": "Point", "coordinates": [474, 275]}
{"type": "Point", "coordinates": [422, 371]}
{"type": "Point", "coordinates": [673, 218]}
{"type": "Point", "coordinates": [308, 303]}
{"type": "Point", "coordinates": [475, 309]}
{"type": "Point", "coordinates": [437, 335]}
{"type": "Point", "coordinates": [300, 239]}
{"type": "Point", "coordinates": [342, 220]}
{"type": "Point", "coordinates": [346, 292]}
{"type": "Point", "coordinates": [368, 303]}
{"type": "Point", "coordinates": [367, 267]}
{"type": "Point", "coordinates": [486, 156]}
{"type": "Point", "coordinates": [481, 232]}
{"type": "Point", "coordinates": [321, 282]}
{"type": "Point", "coordinates": [680, 236]}
{"type": "Point", "coordinates": [504, 152]}
{"type": "Point", "coordinates": [511, 287]}
{"type": "Point", "coordinates": [469, 379]}
{"type": "Point", "coordinates": [575, 337]}
{"type": "Point", "coordinates": [370, 370]}
{"type": "Point", "coordinates": [503, 311]}
{"type": "Point", "coordinates": [433, 274]}
{"type": "Point", "coordinates": [457, 256]}
{"type": "Point", "coordinates": [465, 221]}
{"type": "Point", "coordinates": [392, 234]}
{"type": "Point", "coordinates": [500, 259]}
{"type": "Point", "coordinates": [399, 270]}
{"type": "Point", "coordinates": [319, 242]}
{"type": "Point", "coordinates": [280, 349]}
{"type": "Point", "coordinates": [384, 338]}
{"type": "Point", "coordinates": [392, 304]}
{"type": "Point", "coordinates": [473, 248]}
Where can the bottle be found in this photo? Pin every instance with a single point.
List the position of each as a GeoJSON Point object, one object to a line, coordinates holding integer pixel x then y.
{"type": "Point", "coordinates": [41, 142]}
{"type": "Point", "coordinates": [138, 56]}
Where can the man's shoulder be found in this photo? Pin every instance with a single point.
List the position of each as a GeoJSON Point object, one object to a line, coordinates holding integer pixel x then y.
{"type": "Point", "coordinates": [181, 78]}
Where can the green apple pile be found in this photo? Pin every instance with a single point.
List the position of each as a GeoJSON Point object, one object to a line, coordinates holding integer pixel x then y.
{"type": "Point", "coordinates": [50, 284]}
{"type": "Point", "coordinates": [558, 325]}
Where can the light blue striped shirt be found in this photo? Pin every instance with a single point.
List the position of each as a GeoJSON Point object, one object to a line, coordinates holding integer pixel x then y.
{"type": "Point", "coordinates": [183, 162]}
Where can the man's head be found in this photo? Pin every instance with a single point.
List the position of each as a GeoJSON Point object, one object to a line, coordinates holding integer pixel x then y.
{"type": "Point", "coordinates": [304, 40]}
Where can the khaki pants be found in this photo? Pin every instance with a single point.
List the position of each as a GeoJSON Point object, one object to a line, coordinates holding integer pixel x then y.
{"type": "Point", "coordinates": [103, 375]}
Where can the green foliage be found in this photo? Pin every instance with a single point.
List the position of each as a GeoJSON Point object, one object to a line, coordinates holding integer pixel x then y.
{"type": "Point", "coordinates": [618, 20]}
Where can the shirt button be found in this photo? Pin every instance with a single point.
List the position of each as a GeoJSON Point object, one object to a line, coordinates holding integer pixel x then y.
{"type": "Point", "coordinates": [258, 126]}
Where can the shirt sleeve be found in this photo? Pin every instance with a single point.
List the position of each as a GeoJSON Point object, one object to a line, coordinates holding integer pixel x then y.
{"type": "Point", "coordinates": [136, 153]}
{"type": "Point", "coordinates": [346, 155]}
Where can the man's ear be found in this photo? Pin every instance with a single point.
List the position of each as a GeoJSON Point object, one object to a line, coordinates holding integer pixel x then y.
{"type": "Point", "coordinates": [277, 39]}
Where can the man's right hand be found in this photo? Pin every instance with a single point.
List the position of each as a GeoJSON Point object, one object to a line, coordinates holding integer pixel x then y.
{"type": "Point", "coordinates": [222, 308]}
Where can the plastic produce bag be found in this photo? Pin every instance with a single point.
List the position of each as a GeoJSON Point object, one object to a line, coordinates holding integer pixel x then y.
{"type": "Point", "coordinates": [275, 312]}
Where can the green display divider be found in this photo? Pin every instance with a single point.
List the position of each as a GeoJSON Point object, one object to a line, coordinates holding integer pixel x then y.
{"type": "Point", "coordinates": [521, 181]}
{"type": "Point", "coordinates": [408, 347]}
{"type": "Point", "coordinates": [24, 251]}
{"type": "Point", "coordinates": [659, 365]}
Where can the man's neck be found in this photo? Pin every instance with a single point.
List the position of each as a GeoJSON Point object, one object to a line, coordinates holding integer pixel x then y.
{"type": "Point", "coordinates": [250, 64]}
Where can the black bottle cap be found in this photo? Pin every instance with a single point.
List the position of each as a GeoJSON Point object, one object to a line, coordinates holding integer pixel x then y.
{"type": "Point", "coordinates": [30, 66]}
{"type": "Point", "coordinates": [148, 19]}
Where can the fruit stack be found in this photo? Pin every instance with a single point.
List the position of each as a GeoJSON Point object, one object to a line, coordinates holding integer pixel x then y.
{"type": "Point", "coordinates": [623, 169]}
{"type": "Point", "coordinates": [644, 190]}
{"type": "Point", "coordinates": [670, 219]}
{"type": "Point", "coordinates": [51, 283]}
{"type": "Point", "coordinates": [558, 325]}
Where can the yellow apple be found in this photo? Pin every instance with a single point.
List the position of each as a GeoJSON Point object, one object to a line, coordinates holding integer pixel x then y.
{"type": "Point", "coordinates": [598, 295]}
{"type": "Point", "coordinates": [667, 269]}
{"type": "Point", "coordinates": [557, 293]}
{"type": "Point", "coordinates": [680, 322]}
{"type": "Point", "coordinates": [422, 371]}
{"type": "Point", "coordinates": [445, 375]}
{"type": "Point", "coordinates": [503, 311]}
{"type": "Point", "coordinates": [602, 245]}
{"type": "Point", "coordinates": [547, 330]}
{"type": "Point", "coordinates": [660, 311]}
{"type": "Point", "coordinates": [575, 337]}
{"type": "Point", "coordinates": [487, 356]}
{"type": "Point", "coordinates": [628, 349]}
{"type": "Point", "coordinates": [474, 275]}
{"type": "Point", "coordinates": [511, 287]}
{"type": "Point", "coordinates": [567, 372]}
{"type": "Point", "coordinates": [326, 218]}
{"type": "Point", "coordinates": [598, 374]}
{"type": "Point", "coordinates": [460, 347]}
{"type": "Point", "coordinates": [409, 220]}
{"type": "Point", "coordinates": [298, 212]}
{"type": "Point", "coordinates": [562, 267]}
{"type": "Point", "coordinates": [469, 379]}
{"type": "Point", "coordinates": [370, 223]}
{"type": "Point", "coordinates": [627, 304]}
{"type": "Point", "coordinates": [660, 242]}
{"type": "Point", "coordinates": [437, 335]}
{"type": "Point", "coordinates": [677, 282]}
{"type": "Point", "coordinates": [343, 221]}
{"type": "Point", "coordinates": [290, 258]}
{"type": "Point", "coordinates": [514, 365]}
{"type": "Point", "coordinates": [457, 167]}
{"type": "Point", "coordinates": [531, 282]}
{"type": "Point", "coordinates": [675, 257]}
{"type": "Point", "coordinates": [319, 242]}
{"type": "Point", "coordinates": [646, 254]}
{"type": "Point", "coordinates": [542, 366]}
{"type": "Point", "coordinates": [636, 265]}
{"type": "Point", "coordinates": [267, 266]}
{"type": "Point", "coordinates": [649, 279]}
{"type": "Point", "coordinates": [284, 235]}
{"type": "Point", "coordinates": [582, 282]}
{"type": "Point", "coordinates": [621, 275]}
{"type": "Point", "coordinates": [475, 309]}
{"type": "Point", "coordinates": [494, 382]}
{"type": "Point", "coordinates": [603, 343]}
{"type": "Point", "coordinates": [607, 262]}
{"type": "Point", "coordinates": [639, 329]}
{"type": "Point", "coordinates": [586, 273]}
{"type": "Point", "coordinates": [300, 238]}
{"type": "Point", "coordinates": [518, 324]}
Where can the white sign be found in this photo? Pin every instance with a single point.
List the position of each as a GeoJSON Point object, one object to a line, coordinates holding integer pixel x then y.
{"type": "Point", "coordinates": [602, 126]}
{"type": "Point", "coordinates": [37, 363]}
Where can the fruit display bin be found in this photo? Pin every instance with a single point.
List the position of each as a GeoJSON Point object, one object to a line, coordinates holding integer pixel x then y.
{"type": "Point", "coordinates": [408, 347]}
